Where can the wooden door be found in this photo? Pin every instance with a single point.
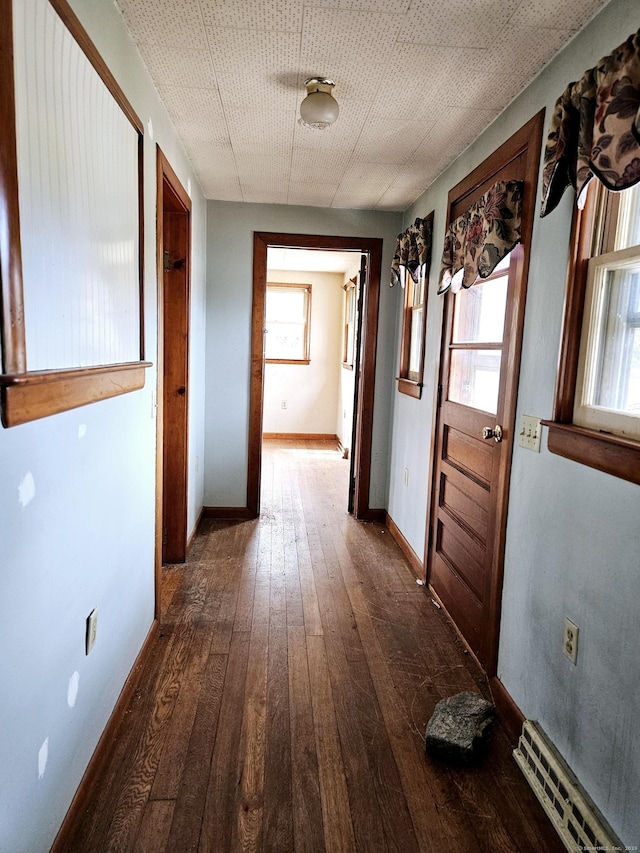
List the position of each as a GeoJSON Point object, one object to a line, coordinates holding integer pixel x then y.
{"type": "Point", "coordinates": [354, 480]}
{"type": "Point", "coordinates": [475, 426]}
{"type": "Point", "coordinates": [174, 236]}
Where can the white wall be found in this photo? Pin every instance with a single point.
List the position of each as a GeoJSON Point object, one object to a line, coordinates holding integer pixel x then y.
{"type": "Point", "coordinates": [310, 390]}
{"type": "Point", "coordinates": [230, 227]}
{"type": "Point", "coordinates": [573, 538]}
{"type": "Point", "coordinates": [77, 504]}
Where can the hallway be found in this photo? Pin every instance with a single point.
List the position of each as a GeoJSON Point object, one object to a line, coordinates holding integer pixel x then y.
{"type": "Point", "coordinates": [286, 700]}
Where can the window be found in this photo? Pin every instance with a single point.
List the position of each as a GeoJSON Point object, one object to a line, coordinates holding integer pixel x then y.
{"type": "Point", "coordinates": [414, 321]}
{"type": "Point", "coordinates": [597, 410]}
{"type": "Point", "coordinates": [349, 333]}
{"type": "Point", "coordinates": [412, 260]}
{"type": "Point", "coordinates": [288, 315]}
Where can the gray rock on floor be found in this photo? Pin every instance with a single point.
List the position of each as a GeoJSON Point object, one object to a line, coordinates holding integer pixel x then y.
{"type": "Point", "coordinates": [458, 727]}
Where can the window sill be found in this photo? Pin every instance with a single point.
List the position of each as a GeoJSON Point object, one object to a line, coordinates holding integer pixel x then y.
{"type": "Point", "coordinates": [612, 454]}
{"type": "Point", "coordinates": [409, 387]}
{"type": "Point", "coordinates": [30, 396]}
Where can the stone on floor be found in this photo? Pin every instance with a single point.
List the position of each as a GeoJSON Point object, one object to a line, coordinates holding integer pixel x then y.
{"type": "Point", "coordinates": [457, 730]}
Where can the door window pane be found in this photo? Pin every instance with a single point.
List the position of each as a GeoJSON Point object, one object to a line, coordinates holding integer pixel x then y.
{"type": "Point", "coordinates": [415, 346]}
{"type": "Point", "coordinates": [474, 378]}
{"type": "Point", "coordinates": [479, 312]}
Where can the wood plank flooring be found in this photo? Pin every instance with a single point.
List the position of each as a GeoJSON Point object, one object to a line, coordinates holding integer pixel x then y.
{"type": "Point", "coordinates": [286, 701]}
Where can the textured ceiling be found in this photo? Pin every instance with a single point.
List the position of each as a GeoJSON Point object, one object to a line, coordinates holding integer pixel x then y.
{"type": "Point", "coordinates": [416, 80]}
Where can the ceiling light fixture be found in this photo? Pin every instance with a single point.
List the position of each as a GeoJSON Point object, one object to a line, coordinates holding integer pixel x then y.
{"type": "Point", "coordinates": [319, 109]}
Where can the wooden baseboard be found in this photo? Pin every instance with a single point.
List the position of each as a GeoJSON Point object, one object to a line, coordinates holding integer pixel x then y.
{"type": "Point", "coordinates": [344, 451]}
{"type": "Point", "coordinates": [510, 714]}
{"type": "Point", "coordinates": [104, 748]}
{"type": "Point", "coordinates": [302, 436]}
{"type": "Point", "coordinates": [412, 558]}
{"type": "Point", "coordinates": [241, 513]}
{"type": "Point", "coordinates": [194, 532]}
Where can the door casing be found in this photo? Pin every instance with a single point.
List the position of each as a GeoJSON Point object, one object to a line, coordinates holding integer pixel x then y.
{"type": "Point", "coordinates": [525, 143]}
{"type": "Point", "coordinates": [173, 235]}
{"type": "Point", "coordinates": [371, 246]}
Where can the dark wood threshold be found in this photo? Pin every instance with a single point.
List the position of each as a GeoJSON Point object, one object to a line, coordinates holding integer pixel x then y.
{"type": "Point", "coordinates": [605, 452]}
{"type": "Point", "coordinates": [412, 558]}
{"type": "Point", "coordinates": [242, 513]}
{"type": "Point", "coordinates": [378, 515]}
{"type": "Point", "coordinates": [302, 436]}
{"type": "Point", "coordinates": [103, 751]}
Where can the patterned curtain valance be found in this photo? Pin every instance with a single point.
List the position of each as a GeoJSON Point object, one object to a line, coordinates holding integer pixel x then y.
{"type": "Point", "coordinates": [413, 250]}
{"type": "Point", "coordinates": [595, 129]}
{"type": "Point", "coordinates": [478, 240]}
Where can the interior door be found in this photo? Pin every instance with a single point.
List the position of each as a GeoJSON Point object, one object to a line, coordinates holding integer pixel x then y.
{"type": "Point", "coordinates": [176, 249]}
{"type": "Point", "coordinates": [355, 455]}
{"type": "Point", "coordinates": [479, 370]}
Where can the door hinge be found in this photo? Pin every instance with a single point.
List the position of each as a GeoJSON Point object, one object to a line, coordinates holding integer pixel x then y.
{"type": "Point", "coordinates": [439, 403]}
{"type": "Point", "coordinates": [166, 261]}
{"type": "Point", "coordinates": [164, 535]}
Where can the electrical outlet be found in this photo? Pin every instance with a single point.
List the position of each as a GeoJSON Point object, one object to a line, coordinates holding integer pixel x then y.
{"type": "Point", "coordinates": [283, 404]}
{"type": "Point", "coordinates": [570, 644]}
{"type": "Point", "coordinates": [92, 630]}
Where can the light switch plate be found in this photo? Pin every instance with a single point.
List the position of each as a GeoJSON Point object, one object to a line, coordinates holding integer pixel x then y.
{"type": "Point", "coordinates": [530, 433]}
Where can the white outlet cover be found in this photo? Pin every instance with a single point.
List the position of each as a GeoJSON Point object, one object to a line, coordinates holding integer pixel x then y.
{"type": "Point", "coordinates": [92, 630]}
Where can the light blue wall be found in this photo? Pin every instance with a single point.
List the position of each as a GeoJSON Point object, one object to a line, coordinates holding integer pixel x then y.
{"type": "Point", "coordinates": [229, 289]}
{"type": "Point", "coordinates": [86, 538]}
{"type": "Point", "coordinates": [573, 537]}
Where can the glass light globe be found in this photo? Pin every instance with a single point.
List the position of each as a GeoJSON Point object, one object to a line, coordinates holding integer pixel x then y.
{"type": "Point", "coordinates": [318, 110]}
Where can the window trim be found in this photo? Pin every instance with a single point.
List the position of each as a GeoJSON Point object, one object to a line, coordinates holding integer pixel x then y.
{"type": "Point", "coordinates": [603, 451]}
{"type": "Point", "coordinates": [307, 329]}
{"type": "Point", "coordinates": [29, 395]}
{"type": "Point", "coordinates": [406, 385]}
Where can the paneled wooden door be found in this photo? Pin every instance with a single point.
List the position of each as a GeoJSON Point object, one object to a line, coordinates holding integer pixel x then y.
{"type": "Point", "coordinates": [174, 259]}
{"type": "Point", "coordinates": [476, 415]}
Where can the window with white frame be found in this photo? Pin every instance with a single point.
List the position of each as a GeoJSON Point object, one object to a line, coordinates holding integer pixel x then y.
{"type": "Point", "coordinates": [597, 411]}
{"type": "Point", "coordinates": [287, 323]}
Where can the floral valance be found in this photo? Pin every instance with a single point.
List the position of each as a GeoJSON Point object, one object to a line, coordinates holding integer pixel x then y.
{"type": "Point", "coordinates": [595, 129]}
{"type": "Point", "coordinates": [478, 240]}
{"type": "Point", "coordinates": [413, 250]}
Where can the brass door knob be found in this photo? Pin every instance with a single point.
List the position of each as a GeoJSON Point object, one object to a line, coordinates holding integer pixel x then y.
{"type": "Point", "coordinates": [493, 432]}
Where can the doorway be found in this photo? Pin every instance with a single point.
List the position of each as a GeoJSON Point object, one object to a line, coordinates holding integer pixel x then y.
{"type": "Point", "coordinates": [361, 447]}
{"type": "Point", "coordinates": [478, 383]}
{"type": "Point", "coordinates": [174, 254]}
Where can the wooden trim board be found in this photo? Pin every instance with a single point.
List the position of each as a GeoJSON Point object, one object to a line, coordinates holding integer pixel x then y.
{"type": "Point", "coordinates": [102, 752]}
{"type": "Point", "coordinates": [412, 558]}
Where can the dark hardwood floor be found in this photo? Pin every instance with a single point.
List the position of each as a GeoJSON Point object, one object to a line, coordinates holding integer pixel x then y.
{"type": "Point", "coordinates": [286, 701]}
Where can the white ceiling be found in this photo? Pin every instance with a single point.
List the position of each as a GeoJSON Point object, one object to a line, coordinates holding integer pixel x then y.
{"type": "Point", "coordinates": [416, 80]}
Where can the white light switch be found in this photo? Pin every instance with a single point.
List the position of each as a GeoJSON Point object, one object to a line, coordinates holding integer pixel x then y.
{"type": "Point", "coordinates": [530, 432]}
